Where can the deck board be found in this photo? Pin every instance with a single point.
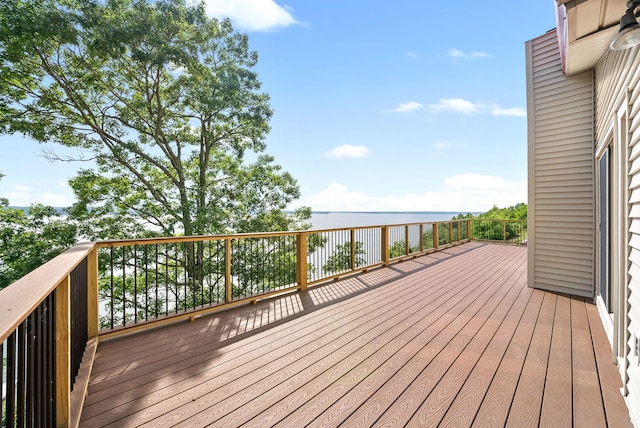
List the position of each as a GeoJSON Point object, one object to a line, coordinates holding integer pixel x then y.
{"type": "Point", "coordinates": [616, 413]}
{"type": "Point", "coordinates": [587, 406]}
{"type": "Point", "coordinates": [557, 404]}
{"type": "Point", "coordinates": [454, 338]}
{"type": "Point", "coordinates": [527, 401]}
{"type": "Point", "coordinates": [431, 340]}
{"type": "Point", "coordinates": [480, 372]}
{"type": "Point", "coordinates": [438, 403]}
{"type": "Point", "coordinates": [496, 403]}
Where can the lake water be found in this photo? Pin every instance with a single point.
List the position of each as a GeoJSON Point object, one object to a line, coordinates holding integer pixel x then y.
{"type": "Point", "coordinates": [329, 220]}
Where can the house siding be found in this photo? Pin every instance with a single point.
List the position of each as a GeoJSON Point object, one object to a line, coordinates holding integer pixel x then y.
{"type": "Point", "coordinates": [561, 172]}
{"type": "Point", "coordinates": [617, 79]}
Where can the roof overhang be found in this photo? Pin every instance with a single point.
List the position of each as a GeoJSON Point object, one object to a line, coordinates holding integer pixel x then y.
{"type": "Point", "coordinates": [585, 29]}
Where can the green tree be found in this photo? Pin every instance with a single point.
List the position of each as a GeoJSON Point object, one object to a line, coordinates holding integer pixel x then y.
{"type": "Point", "coordinates": [162, 98]}
{"type": "Point", "coordinates": [462, 216]}
{"type": "Point", "coordinates": [515, 212]}
{"type": "Point", "coordinates": [340, 259]}
{"type": "Point", "coordinates": [486, 226]}
{"type": "Point", "coordinates": [399, 248]}
{"type": "Point", "coordinates": [29, 238]}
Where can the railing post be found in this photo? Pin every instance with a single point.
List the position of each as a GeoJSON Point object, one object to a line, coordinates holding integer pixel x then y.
{"type": "Point", "coordinates": [92, 293]}
{"type": "Point", "coordinates": [352, 238]}
{"type": "Point", "coordinates": [450, 232]}
{"type": "Point", "coordinates": [301, 260]}
{"type": "Point", "coordinates": [469, 226]}
{"type": "Point", "coordinates": [63, 351]}
{"type": "Point", "coordinates": [227, 269]}
{"type": "Point", "coordinates": [384, 242]}
{"type": "Point", "coordinates": [421, 238]}
{"type": "Point", "coordinates": [504, 231]}
{"type": "Point", "coordinates": [436, 240]}
{"type": "Point", "coordinates": [406, 240]}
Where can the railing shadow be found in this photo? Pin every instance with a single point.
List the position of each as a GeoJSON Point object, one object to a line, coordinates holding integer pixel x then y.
{"type": "Point", "coordinates": [239, 323]}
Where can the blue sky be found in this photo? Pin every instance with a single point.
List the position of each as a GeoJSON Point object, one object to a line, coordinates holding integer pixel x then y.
{"type": "Point", "coordinates": [404, 105]}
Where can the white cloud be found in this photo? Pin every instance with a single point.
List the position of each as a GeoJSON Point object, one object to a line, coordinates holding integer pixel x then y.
{"type": "Point", "coordinates": [456, 53]}
{"type": "Point", "coordinates": [457, 105]}
{"type": "Point", "coordinates": [176, 70]}
{"type": "Point", "coordinates": [347, 151]}
{"type": "Point", "coordinates": [513, 111]}
{"type": "Point", "coordinates": [55, 200]}
{"type": "Point", "coordinates": [20, 188]}
{"type": "Point", "coordinates": [56, 196]}
{"type": "Point", "coordinates": [440, 145]}
{"type": "Point", "coordinates": [476, 182]}
{"type": "Point", "coordinates": [462, 106]}
{"type": "Point", "coordinates": [411, 55]}
{"type": "Point", "coordinates": [252, 15]}
{"type": "Point", "coordinates": [461, 193]}
{"type": "Point", "coordinates": [19, 195]}
{"type": "Point", "coordinates": [406, 107]}
{"type": "Point", "coordinates": [336, 197]}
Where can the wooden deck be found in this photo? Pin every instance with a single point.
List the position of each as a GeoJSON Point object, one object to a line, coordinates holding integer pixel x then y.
{"type": "Point", "coordinates": [454, 338]}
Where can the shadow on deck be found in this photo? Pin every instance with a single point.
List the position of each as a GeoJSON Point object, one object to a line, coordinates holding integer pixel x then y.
{"type": "Point", "coordinates": [454, 338]}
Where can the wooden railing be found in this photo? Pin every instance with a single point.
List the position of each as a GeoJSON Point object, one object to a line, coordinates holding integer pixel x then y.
{"type": "Point", "coordinates": [51, 319]}
{"type": "Point", "coordinates": [46, 321]}
{"type": "Point", "coordinates": [505, 231]}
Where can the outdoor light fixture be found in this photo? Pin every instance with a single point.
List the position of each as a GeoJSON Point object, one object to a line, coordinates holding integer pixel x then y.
{"type": "Point", "coordinates": [629, 34]}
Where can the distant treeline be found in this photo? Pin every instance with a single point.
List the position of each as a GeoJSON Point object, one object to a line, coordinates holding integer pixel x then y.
{"type": "Point", "coordinates": [515, 212]}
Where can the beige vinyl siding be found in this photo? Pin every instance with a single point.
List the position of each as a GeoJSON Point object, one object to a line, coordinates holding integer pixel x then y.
{"type": "Point", "coordinates": [617, 80]}
{"type": "Point", "coordinates": [561, 173]}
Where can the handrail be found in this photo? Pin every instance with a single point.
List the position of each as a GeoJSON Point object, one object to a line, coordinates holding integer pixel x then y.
{"type": "Point", "coordinates": [59, 301]}
{"type": "Point", "coordinates": [45, 338]}
{"type": "Point", "coordinates": [20, 299]}
{"type": "Point", "coordinates": [160, 280]}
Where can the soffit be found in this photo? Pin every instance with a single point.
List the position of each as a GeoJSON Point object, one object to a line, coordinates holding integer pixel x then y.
{"type": "Point", "coordinates": [586, 28]}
